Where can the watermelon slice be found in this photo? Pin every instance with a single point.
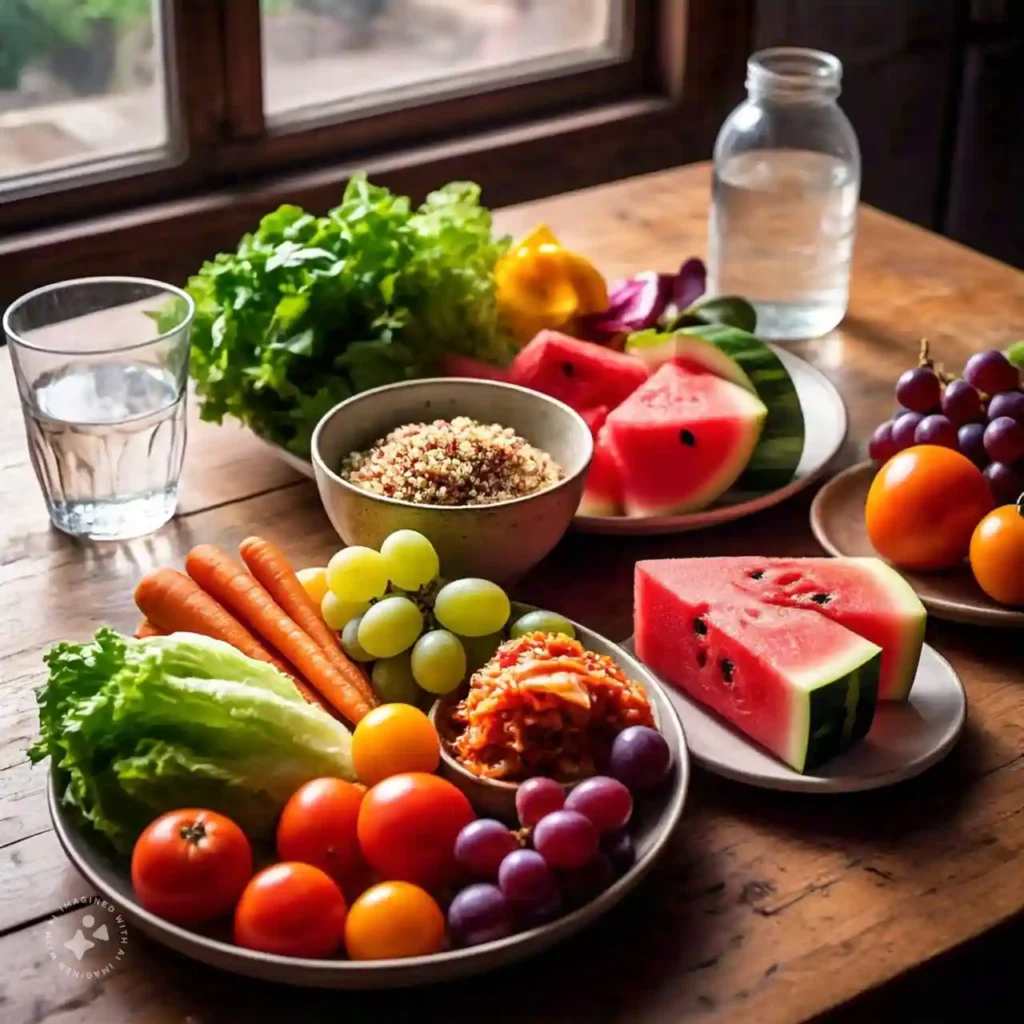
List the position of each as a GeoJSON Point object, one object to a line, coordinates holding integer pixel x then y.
{"type": "Point", "coordinates": [737, 356]}
{"type": "Point", "coordinates": [796, 682]}
{"type": "Point", "coordinates": [451, 364]}
{"type": "Point", "coordinates": [580, 373]}
{"type": "Point", "coordinates": [602, 492]}
{"type": "Point", "coordinates": [681, 440]}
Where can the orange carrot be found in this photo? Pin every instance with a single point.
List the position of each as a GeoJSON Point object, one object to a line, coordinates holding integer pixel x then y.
{"type": "Point", "coordinates": [226, 581]}
{"type": "Point", "coordinates": [172, 603]}
{"type": "Point", "coordinates": [146, 628]}
{"type": "Point", "coordinates": [267, 562]}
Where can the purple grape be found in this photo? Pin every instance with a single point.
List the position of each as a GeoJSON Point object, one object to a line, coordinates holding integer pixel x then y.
{"type": "Point", "coordinates": [537, 797]}
{"type": "Point", "coordinates": [903, 430]}
{"type": "Point", "coordinates": [482, 845]}
{"type": "Point", "coordinates": [532, 915]}
{"type": "Point", "coordinates": [525, 879]}
{"type": "Point", "coordinates": [1004, 440]}
{"type": "Point", "coordinates": [583, 884]}
{"type": "Point", "coordinates": [962, 403]}
{"type": "Point", "coordinates": [640, 758]}
{"type": "Point", "coordinates": [881, 447]}
{"type": "Point", "coordinates": [621, 851]}
{"type": "Point", "coordinates": [1005, 482]}
{"type": "Point", "coordinates": [479, 914]}
{"type": "Point", "coordinates": [565, 839]}
{"type": "Point", "coordinates": [918, 389]}
{"type": "Point", "coordinates": [1009, 403]}
{"type": "Point", "coordinates": [991, 372]}
{"type": "Point", "coordinates": [936, 430]}
{"type": "Point", "coordinates": [970, 441]}
{"type": "Point", "coordinates": [606, 802]}
{"type": "Point", "coordinates": [901, 412]}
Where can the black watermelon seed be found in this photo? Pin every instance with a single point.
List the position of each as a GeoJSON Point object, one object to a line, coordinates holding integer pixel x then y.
{"type": "Point", "coordinates": [686, 436]}
{"type": "Point", "coordinates": [727, 669]}
{"type": "Point", "coordinates": [702, 658]}
{"type": "Point", "coordinates": [757, 574]}
{"type": "Point", "coordinates": [568, 369]}
{"type": "Point", "coordinates": [821, 598]}
{"type": "Point", "coordinates": [700, 627]}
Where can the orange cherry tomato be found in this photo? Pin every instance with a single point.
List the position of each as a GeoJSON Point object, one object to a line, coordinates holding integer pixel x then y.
{"type": "Point", "coordinates": [292, 910]}
{"type": "Point", "coordinates": [923, 506]}
{"type": "Point", "coordinates": [407, 828]}
{"type": "Point", "coordinates": [392, 739]}
{"type": "Point", "coordinates": [191, 865]}
{"type": "Point", "coordinates": [997, 554]}
{"type": "Point", "coordinates": [394, 919]}
{"type": "Point", "coordinates": [318, 827]}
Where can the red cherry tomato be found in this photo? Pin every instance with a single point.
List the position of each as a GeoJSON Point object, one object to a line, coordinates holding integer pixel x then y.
{"type": "Point", "coordinates": [407, 828]}
{"type": "Point", "coordinates": [292, 910]}
{"type": "Point", "coordinates": [190, 865]}
{"type": "Point", "coordinates": [318, 827]}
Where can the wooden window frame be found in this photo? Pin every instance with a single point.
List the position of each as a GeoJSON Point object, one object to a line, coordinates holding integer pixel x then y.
{"type": "Point", "coordinates": [533, 137]}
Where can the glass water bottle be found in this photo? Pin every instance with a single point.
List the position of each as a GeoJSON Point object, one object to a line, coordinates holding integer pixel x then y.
{"type": "Point", "coordinates": [784, 205]}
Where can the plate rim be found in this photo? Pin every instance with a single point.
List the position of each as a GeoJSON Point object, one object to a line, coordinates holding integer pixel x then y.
{"type": "Point", "coordinates": [980, 615]}
{"type": "Point", "coordinates": [843, 784]}
{"type": "Point", "coordinates": [397, 972]}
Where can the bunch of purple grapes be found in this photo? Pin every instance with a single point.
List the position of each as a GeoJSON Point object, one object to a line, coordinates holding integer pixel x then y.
{"type": "Point", "coordinates": [580, 844]}
{"type": "Point", "coordinates": [980, 415]}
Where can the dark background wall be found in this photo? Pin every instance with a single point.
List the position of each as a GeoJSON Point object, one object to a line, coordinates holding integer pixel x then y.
{"type": "Point", "coordinates": [935, 90]}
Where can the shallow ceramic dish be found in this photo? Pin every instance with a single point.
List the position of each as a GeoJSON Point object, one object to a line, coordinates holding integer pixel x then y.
{"type": "Point", "coordinates": [498, 542]}
{"type": "Point", "coordinates": [655, 818]}
{"type": "Point", "coordinates": [826, 424]}
{"type": "Point", "coordinates": [837, 519]}
{"type": "Point", "coordinates": [904, 739]}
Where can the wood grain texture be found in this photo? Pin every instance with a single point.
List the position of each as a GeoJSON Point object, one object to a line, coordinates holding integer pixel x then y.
{"type": "Point", "coordinates": [767, 906]}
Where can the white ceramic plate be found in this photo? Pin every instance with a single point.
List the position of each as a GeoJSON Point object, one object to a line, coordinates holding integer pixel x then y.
{"type": "Point", "coordinates": [905, 739]}
{"type": "Point", "coordinates": [654, 819]}
{"type": "Point", "coordinates": [826, 421]}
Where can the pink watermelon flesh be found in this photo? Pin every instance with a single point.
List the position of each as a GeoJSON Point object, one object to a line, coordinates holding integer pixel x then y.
{"type": "Point", "coordinates": [681, 440]}
{"type": "Point", "coordinates": [799, 684]}
{"type": "Point", "coordinates": [602, 492]}
{"type": "Point", "coordinates": [451, 364]}
{"type": "Point", "coordinates": [579, 373]}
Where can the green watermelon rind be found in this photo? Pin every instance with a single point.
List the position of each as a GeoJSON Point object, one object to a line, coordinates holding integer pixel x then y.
{"type": "Point", "coordinates": [743, 359]}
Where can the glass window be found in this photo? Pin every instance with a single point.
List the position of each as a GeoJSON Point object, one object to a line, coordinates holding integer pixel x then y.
{"type": "Point", "coordinates": [355, 53]}
{"type": "Point", "coordinates": [80, 81]}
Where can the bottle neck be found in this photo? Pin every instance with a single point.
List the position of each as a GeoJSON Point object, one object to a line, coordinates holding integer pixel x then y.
{"type": "Point", "coordinates": [792, 74]}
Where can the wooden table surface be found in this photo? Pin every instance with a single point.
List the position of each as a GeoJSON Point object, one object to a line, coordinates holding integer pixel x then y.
{"type": "Point", "coordinates": [766, 906]}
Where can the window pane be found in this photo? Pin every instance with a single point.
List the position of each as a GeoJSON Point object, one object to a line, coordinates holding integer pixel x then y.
{"type": "Point", "coordinates": [352, 53]}
{"type": "Point", "coordinates": [80, 80]}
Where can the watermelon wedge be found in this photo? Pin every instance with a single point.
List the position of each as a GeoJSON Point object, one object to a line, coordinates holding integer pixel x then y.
{"type": "Point", "coordinates": [745, 360]}
{"type": "Point", "coordinates": [681, 440]}
{"type": "Point", "coordinates": [796, 682]}
{"type": "Point", "coordinates": [580, 373]}
{"type": "Point", "coordinates": [451, 364]}
{"type": "Point", "coordinates": [602, 492]}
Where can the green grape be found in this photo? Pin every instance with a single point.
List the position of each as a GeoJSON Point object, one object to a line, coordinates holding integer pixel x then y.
{"type": "Point", "coordinates": [350, 641]}
{"type": "Point", "coordinates": [390, 627]}
{"type": "Point", "coordinates": [438, 661]}
{"type": "Point", "coordinates": [480, 649]}
{"type": "Point", "coordinates": [357, 574]}
{"type": "Point", "coordinates": [411, 559]}
{"type": "Point", "coordinates": [472, 607]}
{"type": "Point", "coordinates": [393, 681]}
{"type": "Point", "coordinates": [337, 614]}
{"type": "Point", "coordinates": [540, 621]}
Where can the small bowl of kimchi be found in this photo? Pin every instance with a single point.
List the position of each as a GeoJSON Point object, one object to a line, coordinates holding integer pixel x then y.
{"type": "Point", "coordinates": [545, 704]}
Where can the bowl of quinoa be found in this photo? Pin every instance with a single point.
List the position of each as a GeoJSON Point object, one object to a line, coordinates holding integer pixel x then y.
{"type": "Point", "coordinates": [492, 473]}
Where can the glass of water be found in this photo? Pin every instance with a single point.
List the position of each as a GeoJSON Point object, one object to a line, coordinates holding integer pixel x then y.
{"type": "Point", "coordinates": [102, 367]}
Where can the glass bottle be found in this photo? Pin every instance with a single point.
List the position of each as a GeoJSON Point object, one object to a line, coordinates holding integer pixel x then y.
{"type": "Point", "coordinates": [784, 203]}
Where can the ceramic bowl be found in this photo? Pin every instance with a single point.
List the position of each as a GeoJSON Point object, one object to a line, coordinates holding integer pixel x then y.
{"type": "Point", "coordinates": [498, 542]}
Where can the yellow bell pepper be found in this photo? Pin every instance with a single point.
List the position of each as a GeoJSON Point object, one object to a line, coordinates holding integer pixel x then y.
{"type": "Point", "coordinates": [541, 285]}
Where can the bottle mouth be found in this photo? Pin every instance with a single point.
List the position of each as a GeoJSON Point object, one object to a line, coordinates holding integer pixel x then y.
{"type": "Point", "coordinates": [794, 73]}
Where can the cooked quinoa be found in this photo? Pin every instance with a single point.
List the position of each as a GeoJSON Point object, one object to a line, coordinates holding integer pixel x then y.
{"type": "Point", "coordinates": [457, 462]}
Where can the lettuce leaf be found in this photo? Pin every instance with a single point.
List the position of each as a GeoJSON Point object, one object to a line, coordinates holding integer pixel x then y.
{"type": "Point", "coordinates": [310, 310]}
{"type": "Point", "coordinates": [139, 727]}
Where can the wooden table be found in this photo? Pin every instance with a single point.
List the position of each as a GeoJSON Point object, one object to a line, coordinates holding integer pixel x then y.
{"type": "Point", "coordinates": [766, 906]}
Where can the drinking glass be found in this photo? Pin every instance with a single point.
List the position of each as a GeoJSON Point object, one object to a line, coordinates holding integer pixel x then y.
{"type": "Point", "coordinates": [102, 366]}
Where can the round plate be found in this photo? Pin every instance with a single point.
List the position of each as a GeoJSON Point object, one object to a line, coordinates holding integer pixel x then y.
{"type": "Point", "coordinates": [905, 739]}
{"type": "Point", "coordinates": [837, 519]}
{"type": "Point", "coordinates": [826, 421]}
{"type": "Point", "coordinates": [655, 818]}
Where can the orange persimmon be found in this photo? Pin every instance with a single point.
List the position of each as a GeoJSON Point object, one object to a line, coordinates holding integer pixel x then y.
{"type": "Point", "coordinates": [997, 554]}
